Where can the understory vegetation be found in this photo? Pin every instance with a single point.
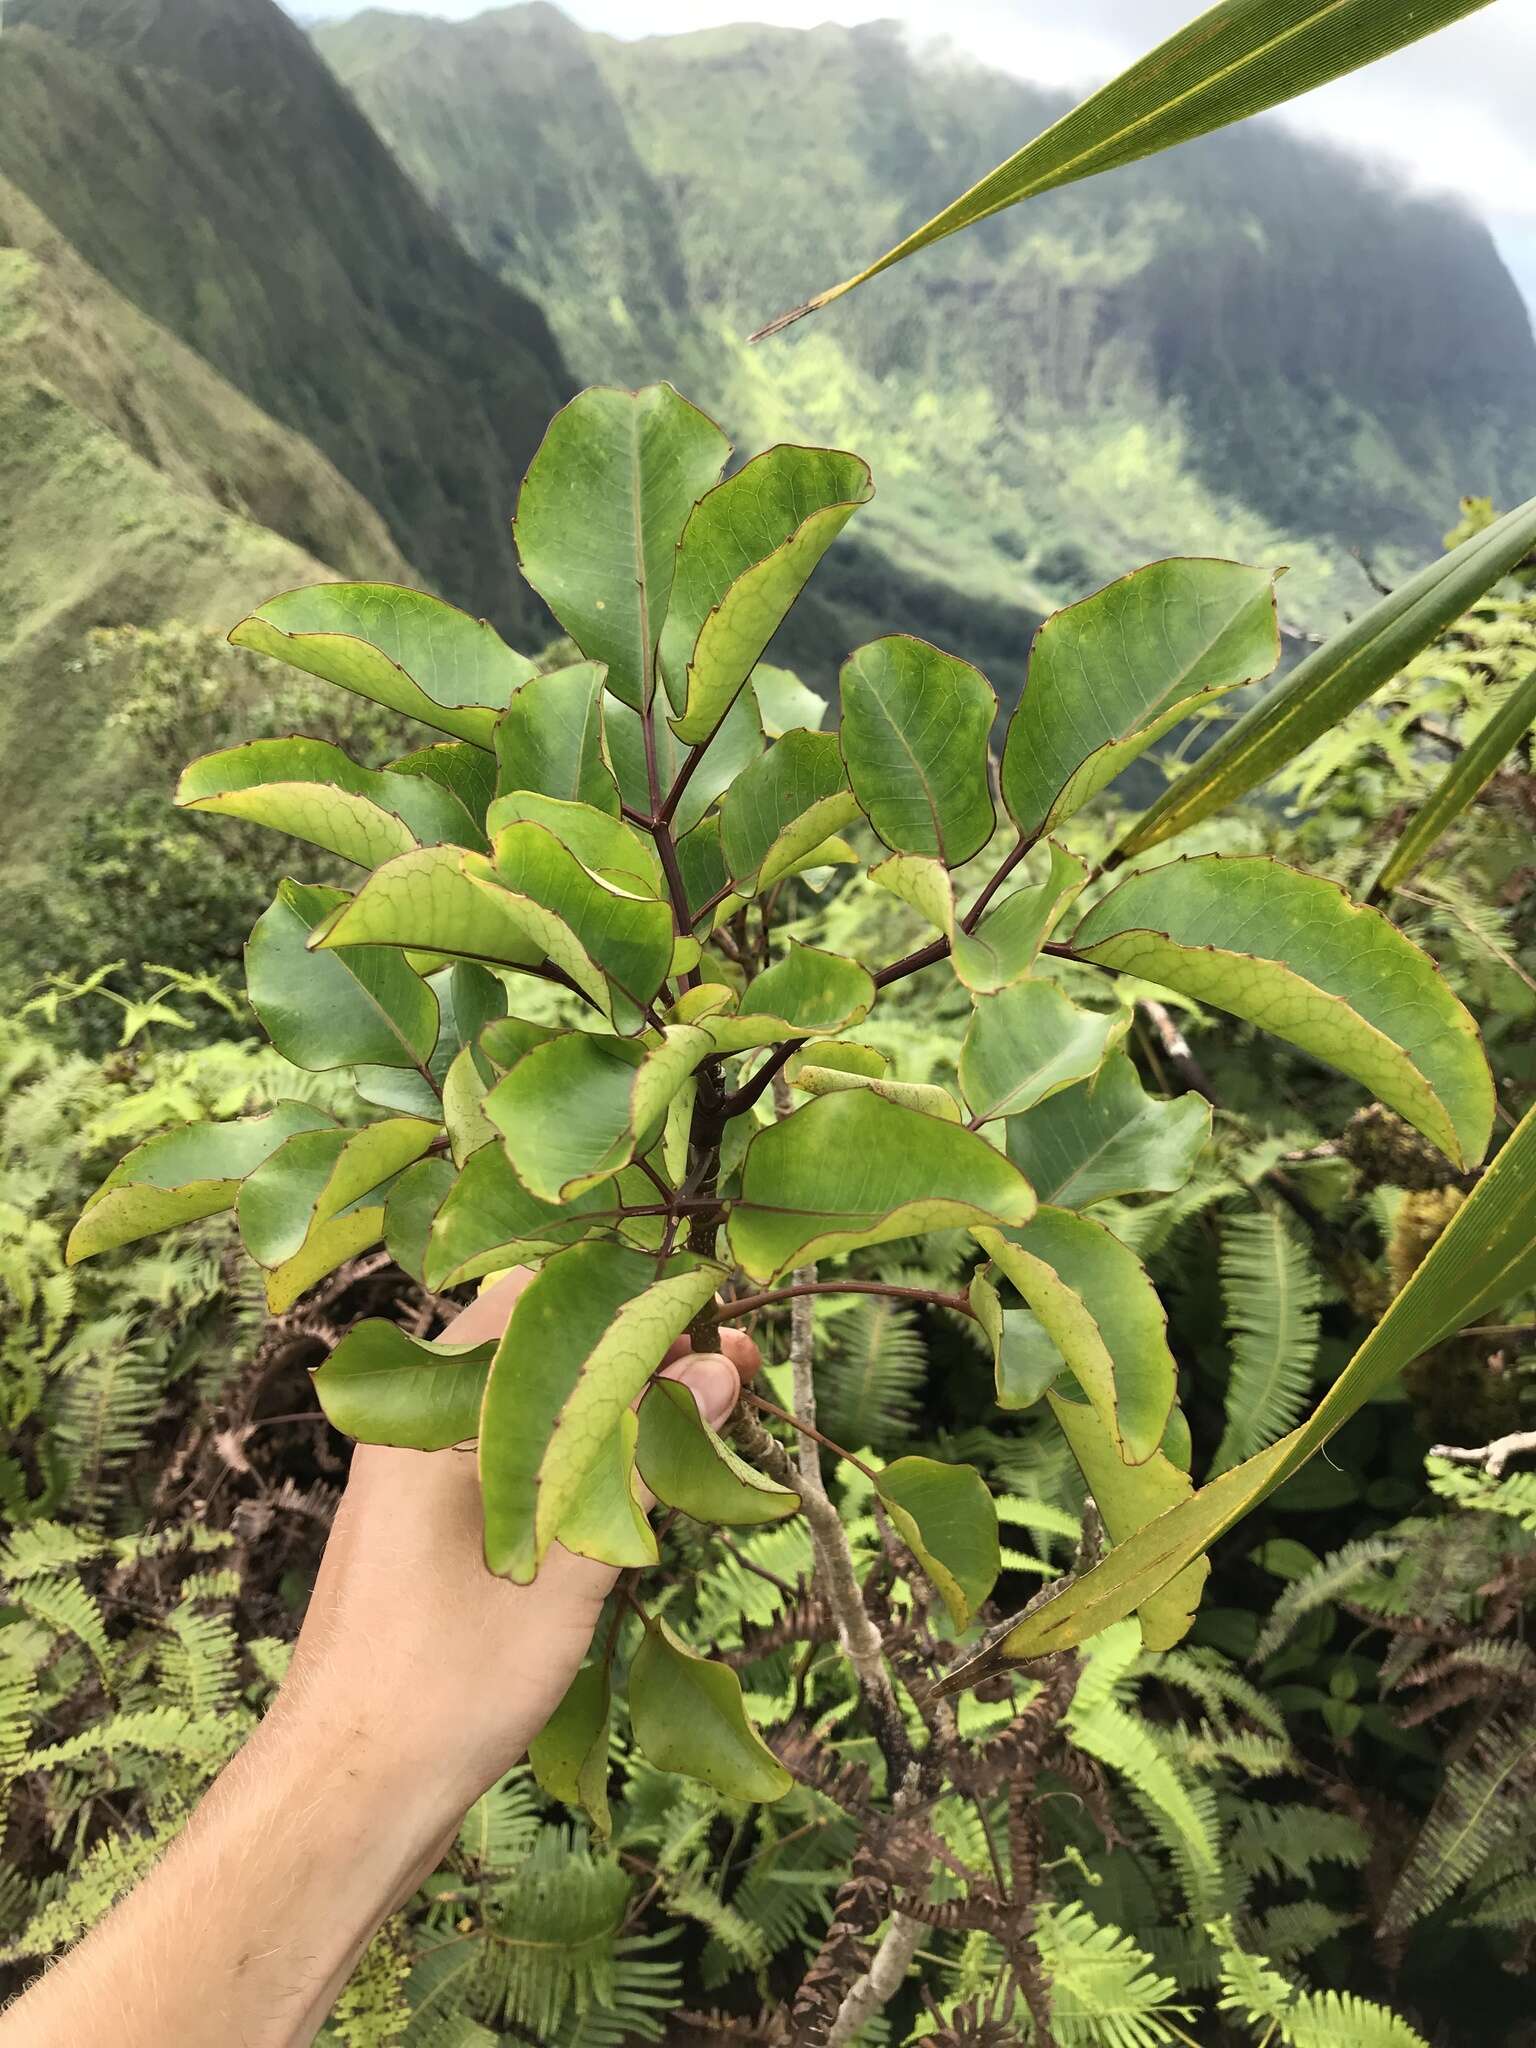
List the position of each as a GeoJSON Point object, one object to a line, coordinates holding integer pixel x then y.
{"type": "Point", "coordinates": [1309, 1823]}
{"type": "Point", "coordinates": [1104, 1622]}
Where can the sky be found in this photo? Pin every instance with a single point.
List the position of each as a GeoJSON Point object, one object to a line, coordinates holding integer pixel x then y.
{"type": "Point", "coordinates": [1451, 113]}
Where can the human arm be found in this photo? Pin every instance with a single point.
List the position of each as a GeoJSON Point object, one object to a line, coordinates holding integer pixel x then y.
{"type": "Point", "coordinates": [417, 1681]}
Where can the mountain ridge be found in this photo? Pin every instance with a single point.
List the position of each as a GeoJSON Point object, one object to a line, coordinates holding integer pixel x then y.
{"type": "Point", "coordinates": [1249, 346]}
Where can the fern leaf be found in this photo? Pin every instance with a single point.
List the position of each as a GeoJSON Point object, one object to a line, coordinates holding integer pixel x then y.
{"type": "Point", "coordinates": [1104, 1993]}
{"type": "Point", "coordinates": [1288, 1841]}
{"type": "Point", "coordinates": [1271, 1289]}
{"type": "Point", "coordinates": [869, 1377]}
{"type": "Point", "coordinates": [1350, 1569]}
{"type": "Point", "coordinates": [1476, 1812]}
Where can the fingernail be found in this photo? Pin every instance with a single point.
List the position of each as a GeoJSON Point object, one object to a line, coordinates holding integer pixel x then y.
{"type": "Point", "coordinates": [714, 1381]}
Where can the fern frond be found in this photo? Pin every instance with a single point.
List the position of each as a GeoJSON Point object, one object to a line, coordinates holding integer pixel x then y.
{"type": "Point", "coordinates": [869, 1374]}
{"type": "Point", "coordinates": [1477, 1812]}
{"type": "Point", "coordinates": [1302, 2019]}
{"type": "Point", "coordinates": [1469, 1486]}
{"type": "Point", "coordinates": [1271, 1289]}
{"type": "Point", "coordinates": [500, 1829]}
{"type": "Point", "coordinates": [1350, 1569]}
{"type": "Point", "coordinates": [1182, 1813]}
{"type": "Point", "coordinates": [69, 1609]}
{"type": "Point", "coordinates": [1103, 1991]}
{"type": "Point", "coordinates": [1287, 1841]}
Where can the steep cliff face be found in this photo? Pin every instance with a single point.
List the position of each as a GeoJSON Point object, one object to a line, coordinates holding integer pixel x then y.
{"type": "Point", "coordinates": [1251, 346]}
{"type": "Point", "coordinates": [202, 160]}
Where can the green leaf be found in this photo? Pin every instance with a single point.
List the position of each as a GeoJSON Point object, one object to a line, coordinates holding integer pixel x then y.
{"type": "Point", "coordinates": [488, 1220]}
{"type": "Point", "coordinates": [1485, 1256]}
{"type": "Point", "coordinates": [945, 1516]}
{"type": "Point", "coordinates": [1108, 1137]}
{"type": "Point", "coordinates": [1025, 1361]}
{"type": "Point", "coordinates": [1128, 1497]}
{"type": "Point", "coordinates": [400, 648]}
{"type": "Point", "coordinates": [1236, 59]}
{"type": "Point", "coordinates": [808, 990]}
{"type": "Point", "coordinates": [688, 1717]}
{"type": "Point", "coordinates": [464, 1089]}
{"type": "Point", "coordinates": [782, 807]}
{"type": "Point", "coordinates": [466, 772]}
{"type": "Point", "coordinates": [924, 1095]}
{"type": "Point", "coordinates": [1095, 1302]}
{"type": "Point", "coordinates": [1007, 939]}
{"type": "Point", "coordinates": [1341, 674]}
{"type": "Point", "coordinates": [734, 747]}
{"type": "Point", "coordinates": [745, 556]}
{"type": "Point", "coordinates": [573, 1111]}
{"type": "Point", "coordinates": [1110, 675]}
{"type": "Point", "coordinates": [628, 937]}
{"type": "Point", "coordinates": [298, 1211]}
{"type": "Point", "coordinates": [838, 1055]}
{"type": "Point", "coordinates": [584, 1337]}
{"type": "Point", "coordinates": [414, 1199]}
{"type": "Point", "coordinates": [1291, 952]}
{"type": "Point", "coordinates": [1029, 1042]}
{"type": "Point", "coordinates": [688, 1466]}
{"type": "Point", "coordinates": [313, 791]}
{"type": "Point", "coordinates": [850, 1170]}
{"type": "Point", "coordinates": [600, 514]}
{"type": "Point", "coordinates": [324, 1010]}
{"type": "Point", "coordinates": [914, 734]}
{"type": "Point", "coordinates": [606, 847]}
{"type": "Point", "coordinates": [569, 1755]}
{"type": "Point", "coordinates": [437, 901]}
{"type": "Point", "coordinates": [785, 703]}
{"type": "Point", "coordinates": [605, 1520]}
{"type": "Point", "coordinates": [550, 738]}
{"type": "Point", "coordinates": [384, 1387]}
{"type": "Point", "coordinates": [1468, 774]}
{"type": "Point", "coordinates": [182, 1175]}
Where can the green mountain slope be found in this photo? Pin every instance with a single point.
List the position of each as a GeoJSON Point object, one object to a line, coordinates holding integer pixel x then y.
{"type": "Point", "coordinates": [140, 487]}
{"type": "Point", "coordinates": [199, 157]}
{"type": "Point", "coordinates": [1249, 347]}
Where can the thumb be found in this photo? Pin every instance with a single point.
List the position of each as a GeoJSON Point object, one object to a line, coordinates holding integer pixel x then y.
{"type": "Point", "coordinates": [712, 1380]}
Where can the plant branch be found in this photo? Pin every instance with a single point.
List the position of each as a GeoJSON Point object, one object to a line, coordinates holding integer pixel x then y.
{"type": "Point", "coordinates": [809, 1430]}
{"type": "Point", "coordinates": [932, 1297]}
{"type": "Point", "coordinates": [674, 796]}
{"type": "Point", "coordinates": [880, 1983]}
{"type": "Point", "coordinates": [838, 1583]}
{"type": "Point", "coordinates": [1493, 1457]}
{"type": "Point", "coordinates": [1010, 862]}
{"type": "Point", "coordinates": [749, 1091]}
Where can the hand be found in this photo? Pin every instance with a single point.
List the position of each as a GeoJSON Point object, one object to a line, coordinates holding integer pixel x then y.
{"type": "Point", "coordinates": [417, 1680]}
{"type": "Point", "coordinates": [456, 1670]}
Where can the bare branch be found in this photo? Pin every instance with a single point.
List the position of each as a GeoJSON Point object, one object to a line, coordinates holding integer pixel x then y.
{"type": "Point", "coordinates": [1493, 1457]}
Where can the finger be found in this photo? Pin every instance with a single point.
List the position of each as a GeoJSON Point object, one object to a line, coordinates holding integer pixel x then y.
{"type": "Point", "coordinates": [713, 1380]}
{"type": "Point", "coordinates": [737, 1346]}
{"type": "Point", "coordinates": [488, 1315]}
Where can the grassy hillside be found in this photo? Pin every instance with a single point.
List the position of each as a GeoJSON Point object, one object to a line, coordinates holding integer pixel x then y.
{"type": "Point", "coordinates": [199, 157]}
{"type": "Point", "coordinates": [147, 488]}
{"type": "Point", "coordinates": [1249, 347]}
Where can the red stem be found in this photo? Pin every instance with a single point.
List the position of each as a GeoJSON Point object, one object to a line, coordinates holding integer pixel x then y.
{"type": "Point", "coordinates": [932, 1297]}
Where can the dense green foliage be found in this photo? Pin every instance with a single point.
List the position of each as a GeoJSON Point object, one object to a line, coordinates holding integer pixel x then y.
{"type": "Point", "coordinates": [620, 881]}
{"type": "Point", "coordinates": [1037, 1157]}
